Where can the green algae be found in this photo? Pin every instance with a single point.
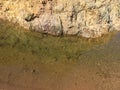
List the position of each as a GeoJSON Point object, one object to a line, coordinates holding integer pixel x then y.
{"type": "Point", "coordinates": [31, 59]}
{"type": "Point", "coordinates": [20, 45]}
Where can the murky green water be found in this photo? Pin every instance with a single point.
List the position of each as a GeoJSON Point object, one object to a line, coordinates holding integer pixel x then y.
{"type": "Point", "coordinates": [14, 41]}
{"type": "Point", "coordinates": [58, 63]}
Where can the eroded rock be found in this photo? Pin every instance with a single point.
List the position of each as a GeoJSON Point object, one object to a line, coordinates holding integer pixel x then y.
{"type": "Point", "coordinates": [88, 18]}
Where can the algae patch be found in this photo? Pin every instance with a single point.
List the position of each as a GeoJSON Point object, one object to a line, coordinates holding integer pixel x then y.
{"type": "Point", "coordinates": [19, 45]}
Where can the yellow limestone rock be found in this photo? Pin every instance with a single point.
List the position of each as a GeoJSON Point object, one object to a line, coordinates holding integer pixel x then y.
{"type": "Point", "coordinates": [87, 18]}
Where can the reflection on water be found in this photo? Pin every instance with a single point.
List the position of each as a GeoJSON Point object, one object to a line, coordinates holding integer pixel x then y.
{"type": "Point", "coordinates": [30, 59]}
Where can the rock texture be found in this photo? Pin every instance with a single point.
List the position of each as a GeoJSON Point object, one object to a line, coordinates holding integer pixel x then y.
{"type": "Point", "coordinates": [47, 23]}
{"type": "Point", "coordinates": [87, 18]}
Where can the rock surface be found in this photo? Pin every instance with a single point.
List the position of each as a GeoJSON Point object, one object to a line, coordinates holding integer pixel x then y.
{"type": "Point", "coordinates": [47, 23]}
{"type": "Point", "coordinates": [87, 18]}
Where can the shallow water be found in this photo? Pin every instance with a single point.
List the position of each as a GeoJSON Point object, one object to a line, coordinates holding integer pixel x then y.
{"type": "Point", "coordinates": [34, 61]}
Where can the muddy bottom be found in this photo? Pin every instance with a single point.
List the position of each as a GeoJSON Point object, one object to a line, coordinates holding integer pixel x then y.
{"type": "Point", "coordinates": [31, 61]}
